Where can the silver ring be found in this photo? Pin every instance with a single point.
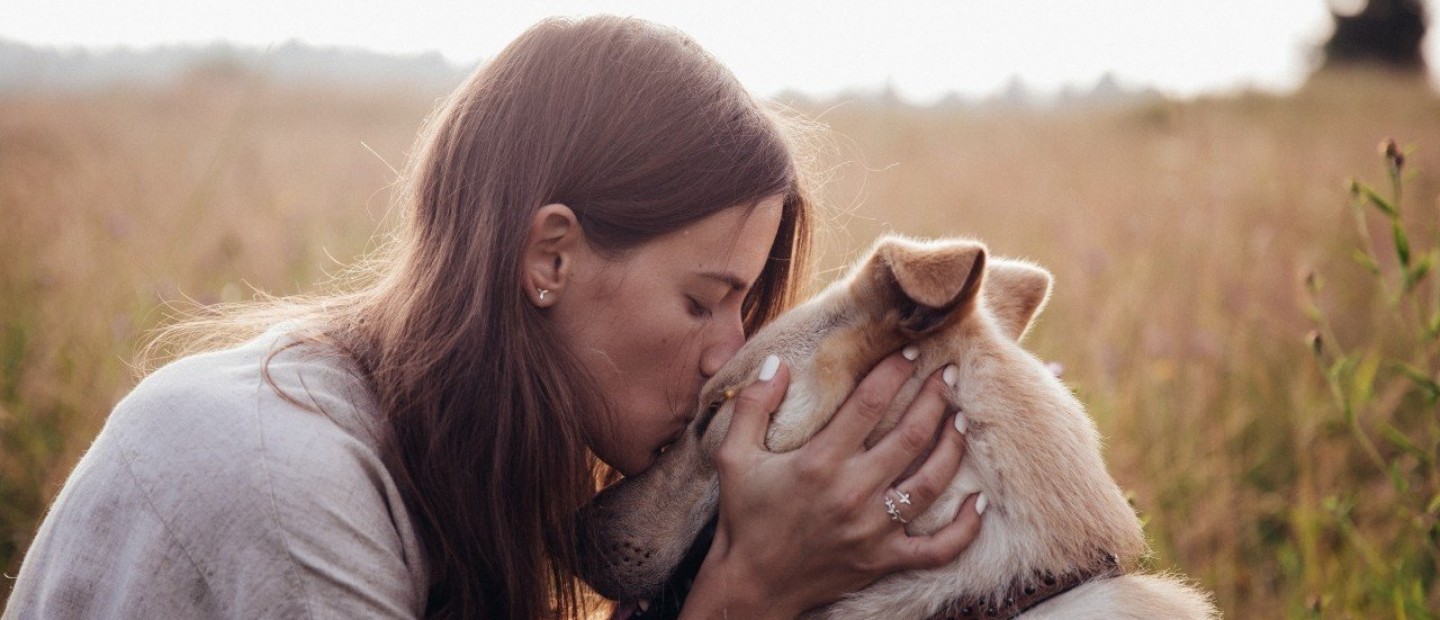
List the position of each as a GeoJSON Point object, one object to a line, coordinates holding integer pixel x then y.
{"type": "Point", "coordinates": [894, 510]}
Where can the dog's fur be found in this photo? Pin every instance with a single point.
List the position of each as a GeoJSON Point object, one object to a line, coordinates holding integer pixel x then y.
{"type": "Point", "coordinates": [1031, 448]}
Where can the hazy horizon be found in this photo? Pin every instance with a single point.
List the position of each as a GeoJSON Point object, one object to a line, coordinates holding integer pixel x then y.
{"type": "Point", "coordinates": [83, 68]}
{"type": "Point", "coordinates": [926, 51]}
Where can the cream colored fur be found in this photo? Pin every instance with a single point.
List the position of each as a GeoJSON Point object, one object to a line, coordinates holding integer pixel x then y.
{"type": "Point", "coordinates": [1031, 449]}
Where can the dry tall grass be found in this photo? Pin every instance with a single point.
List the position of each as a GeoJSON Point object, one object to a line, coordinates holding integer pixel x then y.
{"type": "Point", "coordinates": [1179, 233]}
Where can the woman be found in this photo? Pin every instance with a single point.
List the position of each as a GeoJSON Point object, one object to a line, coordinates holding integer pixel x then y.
{"type": "Point", "coordinates": [595, 221]}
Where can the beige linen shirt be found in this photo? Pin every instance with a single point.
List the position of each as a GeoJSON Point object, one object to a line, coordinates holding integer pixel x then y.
{"type": "Point", "coordinates": [209, 495]}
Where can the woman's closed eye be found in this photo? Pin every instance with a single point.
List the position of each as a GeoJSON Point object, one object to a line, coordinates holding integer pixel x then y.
{"type": "Point", "coordinates": [698, 309]}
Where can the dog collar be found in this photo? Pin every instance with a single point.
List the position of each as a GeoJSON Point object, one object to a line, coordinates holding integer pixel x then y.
{"type": "Point", "coordinates": [1025, 593]}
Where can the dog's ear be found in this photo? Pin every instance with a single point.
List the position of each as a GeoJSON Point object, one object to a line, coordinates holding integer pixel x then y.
{"type": "Point", "coordinates": [1015, 293]}
{"type": "Point", "coordinates": [932, 281]}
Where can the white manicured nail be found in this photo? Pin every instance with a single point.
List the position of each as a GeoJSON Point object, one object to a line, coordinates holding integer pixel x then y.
{"type": "Point", "coordinates": [1055, 368]}
{"type": "Point", "coordinates": [911, 352]}
{"type": "Point", "coordinates": [980, 504]}
{"type": "Point", "coordinates": [950, 375]}
{"type": "Point", "coordinates": [767, 369]}
{"type": "Point", "coordinates": [960, 424]}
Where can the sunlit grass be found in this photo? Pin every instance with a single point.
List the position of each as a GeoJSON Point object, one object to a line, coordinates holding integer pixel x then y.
{"type": "Point", "coordinates": [1180, 235]}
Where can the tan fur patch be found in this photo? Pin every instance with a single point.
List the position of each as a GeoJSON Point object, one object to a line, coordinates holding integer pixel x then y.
{"type": "Point", "coordinates": [1016, 293]}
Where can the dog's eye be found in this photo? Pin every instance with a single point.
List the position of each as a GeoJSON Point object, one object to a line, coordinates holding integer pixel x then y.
{"type": "Point", "coordinates": [703, 422]}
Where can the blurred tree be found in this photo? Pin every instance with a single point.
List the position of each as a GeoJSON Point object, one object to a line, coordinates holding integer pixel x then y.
{"type": "Point", "coordinates": [1384, 34]}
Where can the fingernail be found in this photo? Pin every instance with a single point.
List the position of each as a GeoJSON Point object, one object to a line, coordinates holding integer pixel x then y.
{"type": "Point", "coordinates": [1056, 368]}
{"type": "Point", "coordinates": [911, 352]}
{"type": "Point", "coordinates": [644, 605]}
{"type": "Point", "coordinates": [767, 369]}
{"type": "Point", "coordinates": [950, 375]}
{"type": "Point", "coordinates": [980, 504]}
{"type": "Point", "coordinates": [960, 424]}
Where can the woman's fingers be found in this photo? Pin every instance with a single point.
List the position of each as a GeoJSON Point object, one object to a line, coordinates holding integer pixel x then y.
{"type": "Point", "coordinates": [857, 417]}
{"type": "Point", "coordinates": [925, 485]}
{"type": "Point", "coordinates": [754, 405]}
{"type": "Point", "coordinates": [916, 431]}
{"type": "Point", "coordinates": [942, 546]}
{"type": "Point", "coordinates": [818, 511]}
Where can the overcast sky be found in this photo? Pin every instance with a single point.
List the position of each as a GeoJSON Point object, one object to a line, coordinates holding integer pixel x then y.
{"type": "Point", "coordinates": [924, 47]}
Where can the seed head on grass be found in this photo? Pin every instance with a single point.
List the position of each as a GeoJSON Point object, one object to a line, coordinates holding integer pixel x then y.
{"type": "Point", "coordinates": [1394, 157]}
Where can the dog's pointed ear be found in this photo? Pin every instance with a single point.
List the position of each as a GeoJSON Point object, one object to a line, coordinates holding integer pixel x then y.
{"type": "Point", "coordinates": [933, 281]}
{"type": "Point", "coordinates": [1015, 293]}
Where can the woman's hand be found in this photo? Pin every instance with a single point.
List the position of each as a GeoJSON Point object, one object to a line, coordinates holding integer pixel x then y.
{"type": "Point", "coordinates": [799, 529]}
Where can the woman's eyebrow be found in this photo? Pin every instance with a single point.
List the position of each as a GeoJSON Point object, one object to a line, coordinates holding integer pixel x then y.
{"type": "Point", "coordinates": [729, 279]}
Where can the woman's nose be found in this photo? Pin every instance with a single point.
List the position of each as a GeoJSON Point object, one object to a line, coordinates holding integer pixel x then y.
{"type": "Point", "coordinates": [722, 347]}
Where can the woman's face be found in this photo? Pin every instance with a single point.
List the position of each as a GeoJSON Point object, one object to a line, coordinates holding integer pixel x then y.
{"type": "Point", "coordinates": [652, 326]}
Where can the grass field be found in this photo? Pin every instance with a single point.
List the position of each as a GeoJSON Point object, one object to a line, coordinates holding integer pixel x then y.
{"type": "Point", "coordinates": [1180, 234]}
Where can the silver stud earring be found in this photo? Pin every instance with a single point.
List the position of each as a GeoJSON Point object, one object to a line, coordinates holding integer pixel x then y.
{"type": "Point", "coordinates": [543, 292]}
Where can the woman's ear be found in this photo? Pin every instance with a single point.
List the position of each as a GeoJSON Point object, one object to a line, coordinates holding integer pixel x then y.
{"type": "Point", "coordinates": [550, 250]}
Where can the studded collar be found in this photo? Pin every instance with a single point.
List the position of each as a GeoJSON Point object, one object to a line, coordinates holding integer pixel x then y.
{"type": "Point", "coordinates": [1027, 592]}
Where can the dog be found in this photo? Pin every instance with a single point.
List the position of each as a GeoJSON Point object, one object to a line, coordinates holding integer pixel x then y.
{"type": "Point", "coordinates": [1059, 539]}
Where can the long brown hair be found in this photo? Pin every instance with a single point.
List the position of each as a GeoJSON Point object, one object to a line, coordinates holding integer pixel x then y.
{"type": "Point", "coordinates": [639, 132]}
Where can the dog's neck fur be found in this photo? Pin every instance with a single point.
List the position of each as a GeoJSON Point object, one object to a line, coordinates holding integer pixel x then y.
{"type": "Point", "coordinates": [1027, 431]}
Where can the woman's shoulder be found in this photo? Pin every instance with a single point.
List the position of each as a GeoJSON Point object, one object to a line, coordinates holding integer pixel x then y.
{"type": "Point", "coordinates": [271, 411]}
{"type": "Point", "coordinates": [254, 396]}
{"type": "Point", "coordinates": [273, 500]}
